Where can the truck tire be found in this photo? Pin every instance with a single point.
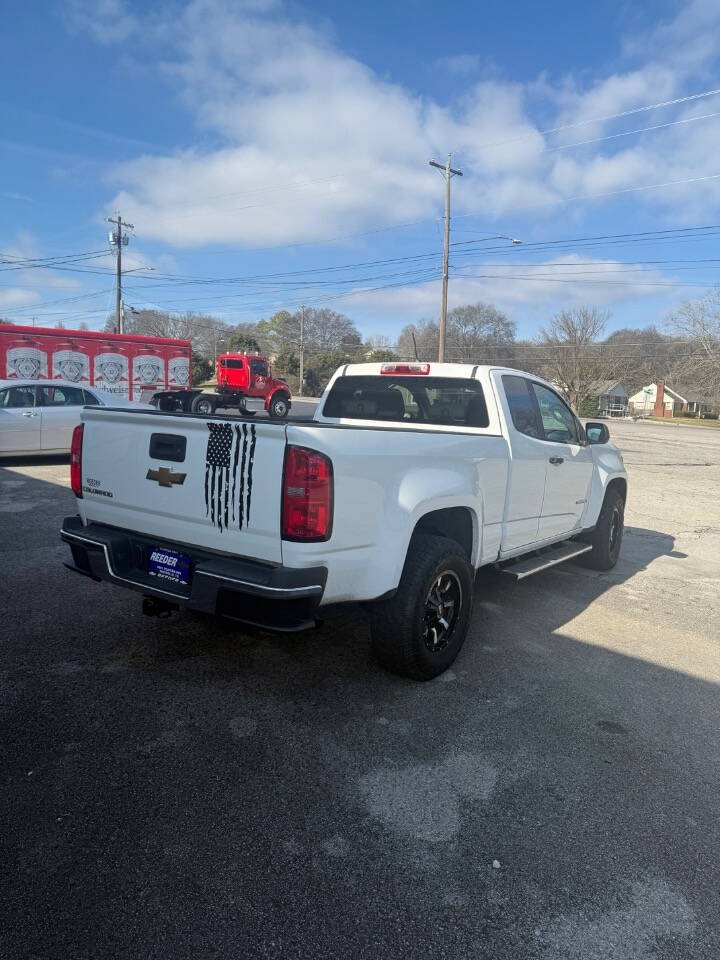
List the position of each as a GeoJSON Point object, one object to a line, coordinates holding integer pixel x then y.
{"type": "Point", "coordinates": [419, 632]}
{"type": "Point", "coordinates": [204, 404]}
{"type": "Point", "coordinates": [606, 538]}
{"type": "Point", "coordinates": [279, 406]}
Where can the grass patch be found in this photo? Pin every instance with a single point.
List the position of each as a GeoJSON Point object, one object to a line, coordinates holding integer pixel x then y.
{"type": "Point", "coordinates": [683, 421]}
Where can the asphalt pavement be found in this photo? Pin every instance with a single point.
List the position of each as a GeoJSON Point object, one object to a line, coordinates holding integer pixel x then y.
{"type": "Point", "coordinates": [180, 788]}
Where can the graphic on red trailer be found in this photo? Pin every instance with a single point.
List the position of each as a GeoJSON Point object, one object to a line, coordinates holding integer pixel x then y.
{"type": "Point", "coordinates": [123, 364]}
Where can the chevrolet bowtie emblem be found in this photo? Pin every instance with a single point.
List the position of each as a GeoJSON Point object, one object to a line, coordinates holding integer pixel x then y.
{"type": "Point", "coordinates": [165, 477]}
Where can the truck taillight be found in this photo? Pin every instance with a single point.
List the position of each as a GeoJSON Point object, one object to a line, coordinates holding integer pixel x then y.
{"type": "Point", "coordinates": [76, 460]}
{"type": "Point", "coordinates": [307, 499]}
{"type": "Point", "coordinates": [405, 369]}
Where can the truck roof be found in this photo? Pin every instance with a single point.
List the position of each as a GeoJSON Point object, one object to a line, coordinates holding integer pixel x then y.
{"type": "Point", "coordinates": [459, 370]}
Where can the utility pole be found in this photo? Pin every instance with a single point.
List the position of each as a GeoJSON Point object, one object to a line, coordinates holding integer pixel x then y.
{"type": "Point", "coordinates": [448, 173]}
{"type": "Point", "coordinates": [119, 240]}
{"type": "Point", "coordinates": [302, 347]}
{"type": "Point", "coordinates": [217, 341]}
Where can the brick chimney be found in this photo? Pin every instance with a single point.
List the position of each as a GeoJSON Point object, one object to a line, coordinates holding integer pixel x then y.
{"type": "Point", "coordinates": [659, 407]}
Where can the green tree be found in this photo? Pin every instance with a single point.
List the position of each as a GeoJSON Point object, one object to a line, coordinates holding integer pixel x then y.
{"type": "Point", "coordinates": [202, 368]}
{"type": "Point", "coordinates": [279, 332]}
{"type": "Point", "coordinates": [322, 365]}
{"type": "Point", "coordinates": [287, 362]}
{"type": "Point", "coordinates": [380, 356]}
{"type": "Point", "coordinates": [588, 408]}
{"type": "Point", "coordinates": [242, 343]}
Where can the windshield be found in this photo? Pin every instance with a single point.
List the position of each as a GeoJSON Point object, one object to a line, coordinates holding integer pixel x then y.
{"type": "Point", "coordinates": [446, 401]}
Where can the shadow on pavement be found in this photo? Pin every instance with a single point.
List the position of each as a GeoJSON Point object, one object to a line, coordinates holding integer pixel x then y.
{"type": "Point", "coordinates": [178, 788]}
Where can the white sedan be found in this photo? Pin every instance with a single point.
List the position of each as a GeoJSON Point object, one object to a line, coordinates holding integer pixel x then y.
{"type": "Point", "coordinates": [38, 416]}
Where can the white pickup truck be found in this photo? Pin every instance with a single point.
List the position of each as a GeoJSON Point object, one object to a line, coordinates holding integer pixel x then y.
{"type": "Point", "coordinates": [409, 477]}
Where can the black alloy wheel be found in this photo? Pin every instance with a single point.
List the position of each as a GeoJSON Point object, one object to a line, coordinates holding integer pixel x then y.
{"type": "Point", "coordinates": [442, 608]}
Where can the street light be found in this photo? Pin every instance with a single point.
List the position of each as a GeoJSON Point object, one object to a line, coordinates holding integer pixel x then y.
{"type": "Point", "coordinates": [462, 243]}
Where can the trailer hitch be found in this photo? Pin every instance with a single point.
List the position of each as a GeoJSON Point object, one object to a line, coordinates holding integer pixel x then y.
{"type": "Point", "coordinates": [155, 607]}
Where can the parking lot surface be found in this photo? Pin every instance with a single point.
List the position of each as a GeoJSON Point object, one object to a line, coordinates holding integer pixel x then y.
{"type": "Point", "coordinates": [178, 788]}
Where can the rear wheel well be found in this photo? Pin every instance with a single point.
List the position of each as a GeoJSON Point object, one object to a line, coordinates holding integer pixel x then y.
{"type": "Point", "coordinates": [620, 485]}
{"type": "Point", "coordinates": [455, 523]}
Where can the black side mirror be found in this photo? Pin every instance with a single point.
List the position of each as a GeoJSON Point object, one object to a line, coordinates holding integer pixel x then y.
{"type": "Point", "coordinates": [597, 433]}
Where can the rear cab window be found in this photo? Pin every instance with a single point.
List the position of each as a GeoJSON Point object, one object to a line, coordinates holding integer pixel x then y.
{"type": "Point", "coordinates": [438, 401]}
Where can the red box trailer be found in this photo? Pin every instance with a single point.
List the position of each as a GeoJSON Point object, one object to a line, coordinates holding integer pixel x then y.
{"type": "Point", "coordinates": [122, 363]}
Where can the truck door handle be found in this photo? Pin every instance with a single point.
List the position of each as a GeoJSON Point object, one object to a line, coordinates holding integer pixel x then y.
{"type": "Point", "coordinates": [557, 460]}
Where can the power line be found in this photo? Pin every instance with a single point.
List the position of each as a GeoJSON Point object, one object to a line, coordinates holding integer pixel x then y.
{"type": "Point", "coordinates": [649, 186]}
{"type": "Point", "coordinates": [537, 246]}
{"type": "Point", "coordinates": [637, 236]}
{"type": "Point", "coordinates": [56, 264]}
{"type": "Point", "coordinates": [543, 279]}
{"type": "Point", "coordinates": [603, 119]}
{"type": "Point", "coordinates": [51, 303]}
{"type": "Point", "coordinates": [629, 133]}
{"type": "Point", "coordinates": [13, 258]}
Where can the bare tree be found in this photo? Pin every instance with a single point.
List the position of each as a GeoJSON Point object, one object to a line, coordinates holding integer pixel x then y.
{"type": "Point", "coordinates": [644, 356]}
{"type": "Point", "coordinates": [573, 356]}
{"type": "Point", "coordinates": [476, 333]}
{"type": "Point", "coordinates": [201, 330]}
{"type": "Point", "coordinates": [698, 321]}
{"type": "Point", "coordinates": [327, 330]}
{"type": "Point", "coordinates": [479, 332]}
{"type": "Point", "coordinates": [424, 335]}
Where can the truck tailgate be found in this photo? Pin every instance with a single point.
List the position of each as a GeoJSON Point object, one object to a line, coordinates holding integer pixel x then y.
{"type": "Point", "coordinates": [209, 483]}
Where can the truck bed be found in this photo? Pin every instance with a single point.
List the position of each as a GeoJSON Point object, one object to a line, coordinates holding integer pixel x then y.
{"type": "Point", "coordinates": [221, 490]}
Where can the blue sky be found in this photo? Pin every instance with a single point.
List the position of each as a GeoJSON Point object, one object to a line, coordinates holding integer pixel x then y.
{"type": "Point", "coordinates": [271, 154]}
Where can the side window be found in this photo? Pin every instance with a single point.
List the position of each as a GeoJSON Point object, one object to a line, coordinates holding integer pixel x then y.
{"type": "Point", "coordinates": [51, 397]}
{"type": "Point", "coordinates": [558, 420]}
{"type": "Point", "coordinates": [73, 396]}
{"type": "Point", "coordinates": [522, 407]}
{"type": "Point", "coordinates": [60, 397]}
{"type": "Point", "coordinates": [15, 397]}
{"type": "Point", "coordinates": [89, 399]}
{"type": "Point", "coordinates": [259, 368]}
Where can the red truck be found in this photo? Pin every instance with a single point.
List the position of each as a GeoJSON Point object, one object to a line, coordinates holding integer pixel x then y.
{"type": "Point", "coordinates": [128, 365]}
{"type": "Point", "coordinates": [244, 381]}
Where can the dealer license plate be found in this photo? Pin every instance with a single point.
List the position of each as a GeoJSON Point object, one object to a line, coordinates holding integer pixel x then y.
{"type": "Point", "coordinates": [169, 565]}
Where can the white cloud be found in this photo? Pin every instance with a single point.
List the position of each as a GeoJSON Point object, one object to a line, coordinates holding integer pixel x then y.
{"type": "Point", "coordinates": [311, 143]}
{"type": "Point", "coordinates": [17, 297]}
{"type": "Point", "coordinates": [571, 281]}
{"type": "Point", "coordinates": [107, 21]}
{"type": "Point", "coordinates": [459, 64]}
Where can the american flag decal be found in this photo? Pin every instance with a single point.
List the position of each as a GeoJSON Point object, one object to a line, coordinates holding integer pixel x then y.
{"type": "Point", "coordinates": [227, 495]}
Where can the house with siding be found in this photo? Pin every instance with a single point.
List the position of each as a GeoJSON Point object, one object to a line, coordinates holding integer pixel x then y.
{"type": "Point", "coordinates": [611, 396]}
{"type": "Point", "coordinates": [661, 400]}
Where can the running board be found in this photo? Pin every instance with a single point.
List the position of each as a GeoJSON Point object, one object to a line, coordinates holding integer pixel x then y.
{"type": "Point", "coordinates": [545, 558]}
